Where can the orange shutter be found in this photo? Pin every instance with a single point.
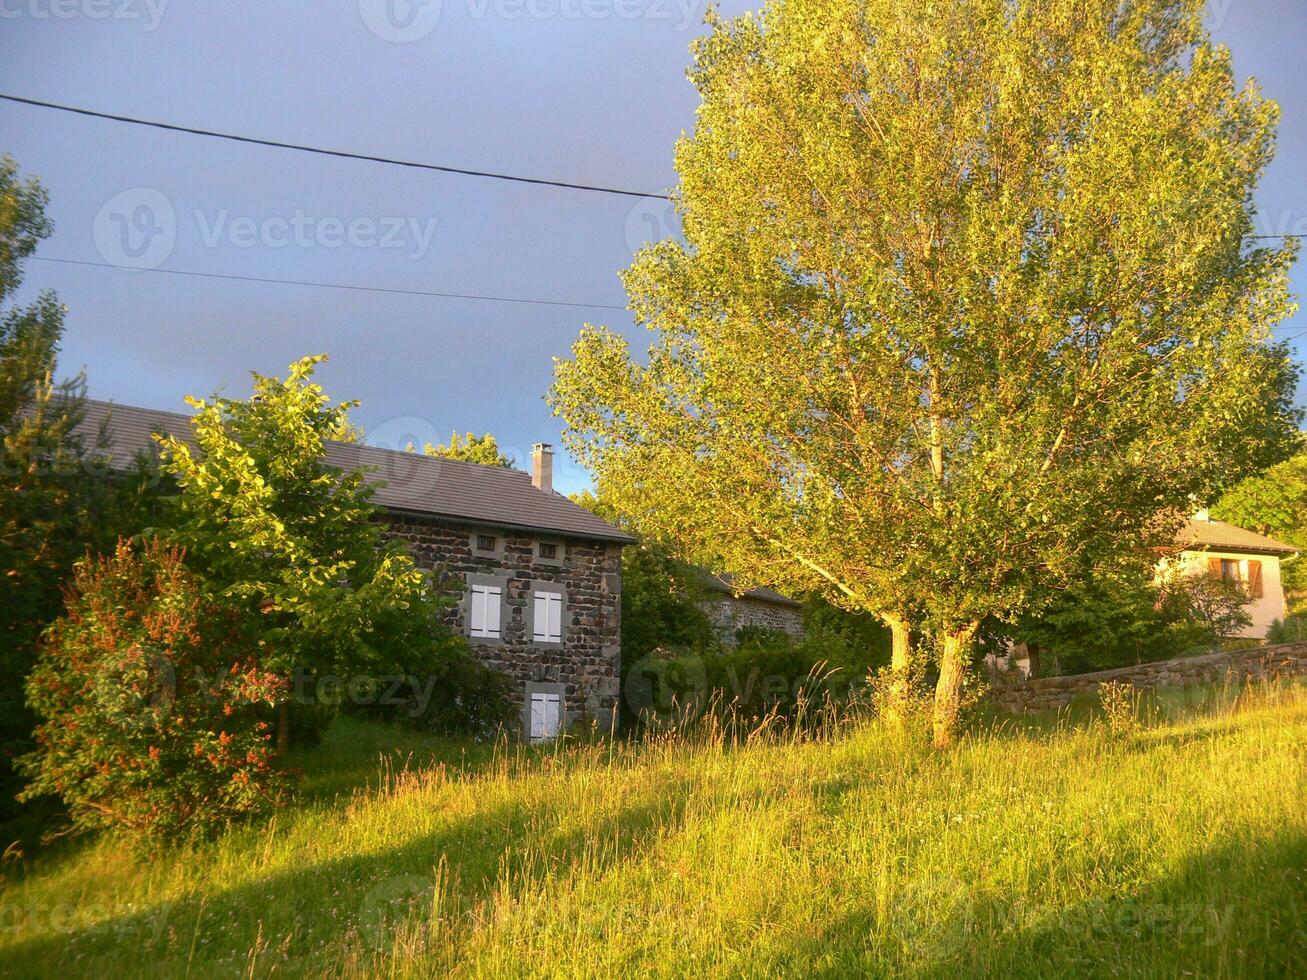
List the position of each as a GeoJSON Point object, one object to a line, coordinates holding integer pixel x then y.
{"type": "Point", "coordinates": [1214, 567]}
{"type": "Point", "coordinates": [1254, 579]}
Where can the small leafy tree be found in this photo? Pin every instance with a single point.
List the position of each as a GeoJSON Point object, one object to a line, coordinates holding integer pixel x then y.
{"type": "Point", "coordinates": [1274, 503]}
{"type": "Point", "coordinates": [294, 541]}
{"type": "Point", "coordinates": [146, 690]}
{"type": "Point", "coordinates": [471, 449]}
{"type": "Point", "coordinates": [1220, 606]}
{"type": "Point", "coordinates": [965, 301]}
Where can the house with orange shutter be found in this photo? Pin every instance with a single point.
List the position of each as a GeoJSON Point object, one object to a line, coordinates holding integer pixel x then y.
{"type": "Point", "coordinates": [1235, 554]}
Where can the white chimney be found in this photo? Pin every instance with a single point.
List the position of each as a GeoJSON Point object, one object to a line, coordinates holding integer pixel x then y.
{"type": "Point", "coordinates": [542, 465]}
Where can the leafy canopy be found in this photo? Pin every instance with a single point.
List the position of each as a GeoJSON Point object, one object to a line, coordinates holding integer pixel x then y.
{"type": "Point", "coordinates": [271, 524]}
{"type": "Point", "coordinates": [470, 449]}
{"type": "Point", "coordinates": [965, 301]}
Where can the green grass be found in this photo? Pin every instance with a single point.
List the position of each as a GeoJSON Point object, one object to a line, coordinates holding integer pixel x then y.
{"type": "Point", "coordinates": [1032, 850]}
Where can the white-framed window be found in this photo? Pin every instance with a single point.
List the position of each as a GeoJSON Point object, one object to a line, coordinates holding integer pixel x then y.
{"type": "Point", "coordinates": [547, 618]}
{"type": "Point", "coordinates": [546, 719]}
{"type": "Point", "coordinates": [483, 611]}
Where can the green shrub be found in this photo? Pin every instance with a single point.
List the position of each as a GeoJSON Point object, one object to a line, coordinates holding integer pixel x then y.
{"type": "Point", "coordinates": [148, 695]}
{"type": "Point", "coordinates": [1118, 616]}
{"type": "Point", "coordinates": [768, 674]}
{"type": "Point", "coordinates": [455, 694]}
{"type": "Point", "coordinates": [1292, 629]}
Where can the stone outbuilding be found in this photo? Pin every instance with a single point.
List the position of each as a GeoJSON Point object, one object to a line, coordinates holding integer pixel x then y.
{"type": "Point", "coordinates": [761, 608]}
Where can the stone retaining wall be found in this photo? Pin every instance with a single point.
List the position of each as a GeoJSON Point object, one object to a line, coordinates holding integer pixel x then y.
{"type": "Point", "coordinates": [1045, 693]}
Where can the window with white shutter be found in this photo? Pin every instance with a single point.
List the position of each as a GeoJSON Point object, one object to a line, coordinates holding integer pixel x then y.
{"type": "Point", "coordinates": [547, 618]}
{"type": "Point", "coordinates": [546, 715]}
{"type": "Point", "coordinates": [483, 611]}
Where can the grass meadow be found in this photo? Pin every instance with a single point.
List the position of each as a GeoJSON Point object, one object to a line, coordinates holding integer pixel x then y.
{"type": "Point", "coordinates": [1042, 848]}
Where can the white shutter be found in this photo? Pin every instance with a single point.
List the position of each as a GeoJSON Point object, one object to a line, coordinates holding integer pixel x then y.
{"type": "Point", "coordinates": [546, 716]}
{"type": "Point", "coordinates": [555, 626]}
{"type": "Point", "coordinates": [483, 616]}
{"type": "Point", "coordinates": [492, 612]}
{"type": "Point", "coordinates": [547, 621]}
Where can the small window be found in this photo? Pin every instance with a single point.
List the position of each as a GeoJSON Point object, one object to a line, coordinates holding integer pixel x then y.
{"type": "Point", "coordinates": [548, 550]}
{"type": "Point", "coordinates": [1230, 570]}
{"type": "Point", "coordinates": [547, 621]}
{"type": "Point", "coordinates": [485, 542]}
{"type": "Point", "coordinates": [546, 716]}
{"type": "Point", "coordinates": [483, 611]}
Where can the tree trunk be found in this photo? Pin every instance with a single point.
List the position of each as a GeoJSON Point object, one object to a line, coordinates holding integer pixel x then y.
{"type": "Point", "coordinates": [283, 729]}
{"type": "Point", "coordinates": [894, 706]}
{"type": "Point", "coordinates": [955, 648]}
{"type": "Point", "coordinates": [1033, 662]}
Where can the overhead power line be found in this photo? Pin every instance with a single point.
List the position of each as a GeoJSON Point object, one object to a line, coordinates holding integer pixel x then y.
{"type": "Point", "coordinates": [323, 151]}
{"type": "Point", "coordinates": [368, 157]}
{"type": "Point", "coordinates": [337, 285]}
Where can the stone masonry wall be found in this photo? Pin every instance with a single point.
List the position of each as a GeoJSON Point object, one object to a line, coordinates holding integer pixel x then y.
{"type": "Point", "coordinates": [729, 613]}
{"type": "Point", "coordinates": [586, 665]}
{"type": "Point", "coordinates": [1256, 663]}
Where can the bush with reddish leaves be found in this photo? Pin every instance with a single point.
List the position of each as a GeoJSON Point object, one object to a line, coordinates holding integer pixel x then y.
{"type": "Point", "coordinates": [148, 695]}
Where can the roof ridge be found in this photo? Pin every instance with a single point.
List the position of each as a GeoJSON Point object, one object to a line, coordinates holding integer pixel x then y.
{"type": "Point", "coordinates": [410, 482]}
{"type": "Point", "coordinates": [335, 442]}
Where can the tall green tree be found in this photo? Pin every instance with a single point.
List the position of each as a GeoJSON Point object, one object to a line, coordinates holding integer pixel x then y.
{"type": "Point", "coordinates": [272, 526]}
{"type": "Point", "coordinates": [966, 300]}
{"type": "Point", "coordinates": [47, 505]}
{"type": "Point", "coordinates": [470, 448]}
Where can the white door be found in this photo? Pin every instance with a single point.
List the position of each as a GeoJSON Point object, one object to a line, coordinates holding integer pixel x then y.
{"type": "Point", "coordinates": [546, 716]}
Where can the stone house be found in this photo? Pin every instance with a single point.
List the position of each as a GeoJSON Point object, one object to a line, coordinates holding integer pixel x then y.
{"type": "Point", "coordinates": [537, 579]}
{"type": "Point", "coordinates": [760, 608]}
{"type": "Point", "coordinates": [1235, 554]}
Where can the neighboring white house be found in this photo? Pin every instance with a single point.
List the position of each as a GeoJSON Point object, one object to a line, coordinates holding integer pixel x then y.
{"type": "Point", "coordinates": [1221, 550]}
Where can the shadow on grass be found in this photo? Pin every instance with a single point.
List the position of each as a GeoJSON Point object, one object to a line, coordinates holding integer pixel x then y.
{"type": "Point", "coordinates": [1237, 910]}
{"type": "Point", "coordinates": [305, 919]}
{"type": "Point", "coordinates": [355, 753]}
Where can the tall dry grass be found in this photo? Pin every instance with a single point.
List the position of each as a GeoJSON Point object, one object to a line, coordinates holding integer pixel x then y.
{"type": "Point", "coordinates": [1063, 848]}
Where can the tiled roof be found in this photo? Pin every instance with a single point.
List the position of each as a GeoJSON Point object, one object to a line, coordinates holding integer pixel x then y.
{"type": "Point", "coordinates": [726, 583]}
{"type": "Point", "coordinates": [408, 482]}
{"type": "Point", "coordinates": [1207, 534]}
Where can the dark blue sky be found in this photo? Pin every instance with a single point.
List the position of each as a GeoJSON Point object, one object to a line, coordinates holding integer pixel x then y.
{"type": "Point", "coordinates": [591, 91]}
